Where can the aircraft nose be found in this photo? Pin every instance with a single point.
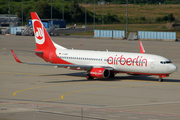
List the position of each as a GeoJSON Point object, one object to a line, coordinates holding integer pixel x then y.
{"type": "Point", "coordinates": [173, 68]}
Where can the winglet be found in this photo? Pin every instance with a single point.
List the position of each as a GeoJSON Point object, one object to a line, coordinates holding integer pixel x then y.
{"type": "Point", "coordinates": [141, 47]}
{"type": "Point", "coordinates": [15, 57]}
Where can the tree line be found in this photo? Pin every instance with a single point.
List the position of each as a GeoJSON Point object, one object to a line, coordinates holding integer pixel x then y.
{"type": "Point", "coordinates": [115, 1]}
{"type": "Point", "coordinates": [73, 13]}
{"type": "Point", "coordinates": [136, 1]}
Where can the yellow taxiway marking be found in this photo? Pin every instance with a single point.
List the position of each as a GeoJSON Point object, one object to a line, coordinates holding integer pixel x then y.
{"type": "Point", "coordinates": [3, 48]}
{"type": "Point", "coordinates": [62, 97]}
{"type": "Point", "coordinates": [14, 94]}
{"type": "Point", "coordinates": [49, 86]}
{"type": "Point", "coordinates": [22, 90]}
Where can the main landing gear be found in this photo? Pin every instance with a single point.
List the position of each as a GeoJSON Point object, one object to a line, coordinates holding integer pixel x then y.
{"type": "Point", "coordinates": [88, 76]}
{"type": "Point", "coordinates": [112, 75]}
{"type": "Point", "coordinates": [160, 79]}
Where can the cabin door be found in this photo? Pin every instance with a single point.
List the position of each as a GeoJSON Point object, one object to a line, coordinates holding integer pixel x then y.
{"type": "Point", "coordinates": [153, 64]}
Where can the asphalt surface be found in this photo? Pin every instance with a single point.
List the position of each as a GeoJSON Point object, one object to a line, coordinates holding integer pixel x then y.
{"type": "Point", "coordinates": [43, 92]}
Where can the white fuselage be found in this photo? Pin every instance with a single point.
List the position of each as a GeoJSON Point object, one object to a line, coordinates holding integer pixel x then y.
{"type": "Point", "coordinates": [120, 61]}
{"type": "Point", "coordinates": [98, 64]}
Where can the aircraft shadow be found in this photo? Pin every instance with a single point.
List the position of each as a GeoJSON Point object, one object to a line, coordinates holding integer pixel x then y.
{"type": "Point", "coordinates": [79, 74]}
{"type": "Point", "coordinates": [144, 78]}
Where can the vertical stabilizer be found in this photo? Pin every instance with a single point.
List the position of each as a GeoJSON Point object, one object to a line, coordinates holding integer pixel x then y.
{"type": "Point", "coordinates": [42, 38]}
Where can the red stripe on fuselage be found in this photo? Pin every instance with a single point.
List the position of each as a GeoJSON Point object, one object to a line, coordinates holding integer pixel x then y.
{"type": "Point", "coordinates": [158, 74]}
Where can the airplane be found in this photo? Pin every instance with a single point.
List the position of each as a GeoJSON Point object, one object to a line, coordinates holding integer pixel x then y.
{"type": "Point", "coordinates": [98, 64]}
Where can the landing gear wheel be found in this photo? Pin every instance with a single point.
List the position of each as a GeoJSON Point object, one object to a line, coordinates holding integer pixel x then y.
{"type": "Point", "coordinates": [89, 77]}
{"type": "Point", "coordinates": [111, 75]}
{"type": "Point", "coordinates": [160, 80]}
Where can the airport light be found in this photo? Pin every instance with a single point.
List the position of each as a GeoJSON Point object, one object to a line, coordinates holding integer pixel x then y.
{"type": "Point", "coordinates": [127, 22]}
{"type": "Point", "coordinates": [9, 13]}
{"type": "Point", "coordinates": [22, 12]}
{"type": "Point", "coordinates": [51, 11]}
{"type": "Point", "coordinates": [102, 14]}
{"type": "Point", "coordinates": [63, 10]}
{"type": "Point", "coordinates": [85, 17]}
{"type": "Point", "coordinates": [94, 14]}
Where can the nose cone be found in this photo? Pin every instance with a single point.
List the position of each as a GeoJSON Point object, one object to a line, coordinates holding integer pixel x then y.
{"type": "Point", "coordinates": [173, 68]}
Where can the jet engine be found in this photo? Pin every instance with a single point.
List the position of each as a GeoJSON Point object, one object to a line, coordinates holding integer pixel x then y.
{"type": "Point", "coordinates": [99, 73]}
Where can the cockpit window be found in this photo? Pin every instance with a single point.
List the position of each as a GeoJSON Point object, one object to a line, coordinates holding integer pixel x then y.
{"type": "Point", "coordinates": [168, 62]}
{"type": "Point", "coordinates": [165, 62]}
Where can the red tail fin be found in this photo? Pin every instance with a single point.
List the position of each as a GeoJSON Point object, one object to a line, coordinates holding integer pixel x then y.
{"type": "Point", "coordinates": [141, 47]}
{"type": "Point", "coordinates": [42, 38]}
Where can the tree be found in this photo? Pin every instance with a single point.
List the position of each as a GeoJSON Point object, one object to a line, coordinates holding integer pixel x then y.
{"type": "Point", "coordinates": [76, 12]}
{"type": "Point", "coordinates": [111, 18]}
{"type": "Point", "coordinates": [171, 17]}
{"type": "Point", "coordinates": [158, 19]}
{"type": "Point", "coordinates": [3, 10]}
{"type": "Point", "coordinates": [165, 18]}
{"type": "Point", "coordinates": [142, 18]}
{"type": "Point", "coordinates": [43, 9]}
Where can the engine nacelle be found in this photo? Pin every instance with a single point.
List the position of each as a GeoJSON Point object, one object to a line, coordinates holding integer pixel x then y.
{"type": "Point", "coordinates": [99, 73]}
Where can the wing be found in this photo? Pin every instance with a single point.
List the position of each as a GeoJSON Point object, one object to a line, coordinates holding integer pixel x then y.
{"type": "Point", "coordinates": [78, 67]}
{"type": "Point", "coordinates": [28, 51]}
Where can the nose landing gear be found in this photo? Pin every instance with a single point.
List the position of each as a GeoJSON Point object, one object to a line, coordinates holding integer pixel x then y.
{"type": "Point", "coordinates": [162, 76]}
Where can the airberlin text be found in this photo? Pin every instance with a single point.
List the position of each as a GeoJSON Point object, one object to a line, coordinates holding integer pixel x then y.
{"type": "Point", "coordinates": [39, 32]}
{"type": "Point", "coordinates": [138, 61]}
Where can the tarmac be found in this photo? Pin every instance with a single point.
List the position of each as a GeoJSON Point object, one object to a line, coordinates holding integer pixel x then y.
{"type": "Point", "coordinates": [31, 92]}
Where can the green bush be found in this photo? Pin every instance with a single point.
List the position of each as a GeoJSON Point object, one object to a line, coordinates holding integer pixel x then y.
{"type": "Point", "coordinates": [158, 19]}
{"type": "Point", "coordinates": [142, 18]}
{"type": "Point", "coordinates": [111, 18]}
{"type": "Point", "coordinates": [171, 17]}
{"type": "Point", "coordinates": [165, 18]}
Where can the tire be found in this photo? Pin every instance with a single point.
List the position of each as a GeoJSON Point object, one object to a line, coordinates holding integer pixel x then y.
{"type": "Point", "coordinates": [160, 80]}
{"type": "Point", "coordinates": [89, 77]}
{"type": "Point", "coordinates": [111, 75]}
